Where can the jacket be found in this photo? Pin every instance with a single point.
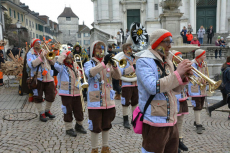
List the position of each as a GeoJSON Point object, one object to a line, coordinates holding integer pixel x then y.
{"type": "Point", "coordinates": [83, 54]}
{"type": "Point", "coordinates": [184, 38]}
{"type": "Point", "coordinates": [194, 91]}
{"type": "Point", "coordinates": [226, 79]}
{"type": "Point", "coordinates": [195, 42]}
{"type": "Point", "coordinates": [68, 80]}
{"type": "Point", "coordinates": [100, 77]}
{"type": "Point", "coordinates": [201, 33]}
{"type": "Point", "coordinates": [189, 37]}
{"type": "Point", "coordinates": [127, 70]}
{"type": "Point", "coordinates": [33, 61]}
{"type": "Point", "coordinates": [162, 111]}
{"type": "Point", "coordinates": [210, 35]}
{"type": "Point", "coordinates": [181, 97]}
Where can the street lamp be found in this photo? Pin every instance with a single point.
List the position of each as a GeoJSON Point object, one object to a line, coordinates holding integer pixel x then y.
{"type": "Point", "coordinates": [18, 24]}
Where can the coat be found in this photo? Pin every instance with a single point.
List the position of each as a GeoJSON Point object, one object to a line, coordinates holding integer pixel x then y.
{"type": "Point", "coordinates": [68, 80]}
{"type": "Point", "coordinates": [195, 91]}
{"type": "Point", "coordinates": [210, 35]}
{"type": "Point", "coordinates": [162, 111]}
{"type": "Point", "coordinates": [33, 61]}
{"type": "Point", "coordinates": [201, 33]}
{"type": "Point", "coordinates": [226, 79]}
{"type": "Point", "coordinates": [100, 90]}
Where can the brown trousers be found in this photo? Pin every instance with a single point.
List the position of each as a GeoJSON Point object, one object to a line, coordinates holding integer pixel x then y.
{"type": "Point", "coordinates": [73, 107]}
{"type": "Point", "coordinates": [183, 107]}
{"type": "Point", "coordinates": [100, 119]}
{"type": "Point", "coordinates": [130, 93]}
{"type": "Point", "coordinates": [160, 139]}
{"type": "Point", "coordinates": [48, 89]}
{"type": "Point", "coordinates": [199, 103]}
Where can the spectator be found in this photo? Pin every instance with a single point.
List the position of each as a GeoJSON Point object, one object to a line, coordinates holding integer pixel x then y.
{"type": "Point", "coordinates": [110, 48]}
{"type": "Point", "coordinates": [184, 37]}
{"type": "Point", "coordinates": [210, 33]}
{"type": "Point", "coordinates": [122, 35]}
{"type": "Point", "coordinates": [118, 38]}
{"type": "Point", "coordinates": [190, 28]}
{"type": "Point", "coordinates": [222, 42]}
{"type": "Point", "coordinates": [184, 30]}
{"type": "Point", "coordinates": [88, 53]}
{"type": "Point", "coordinates": [127, 34]}
{"type": "Point", "coordinates": [189, 37]}
{"type": "Point", "coordinates": [195, 42]}
{"type": "Point", "coordinates": [225, 70]}
{"type": "Point", "coordinates": [218, 43]}
{"type": "Point", "coordinates": [200, 34]}
{"type": "Point", "coordinates": [2, 60]}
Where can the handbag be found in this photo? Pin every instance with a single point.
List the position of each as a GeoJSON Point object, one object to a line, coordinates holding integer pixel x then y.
{"type": "Point", "coordinates": [138, 116]}
{"type": "Point", "coordinates": [32, 82]}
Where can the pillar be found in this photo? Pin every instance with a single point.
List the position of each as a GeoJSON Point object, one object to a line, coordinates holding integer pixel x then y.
{"type": "Point", "coordinates": [150, 9]}
{"type": "Point", "coordinates": [223, 16]}
{"type": "Point", "coordinates": [116, 10]}
{"type": "Point", "coordinates": [192, 14]}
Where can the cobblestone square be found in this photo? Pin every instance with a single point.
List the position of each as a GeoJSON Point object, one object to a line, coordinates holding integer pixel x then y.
{"type": "Point", "coordinates": [35, 136]}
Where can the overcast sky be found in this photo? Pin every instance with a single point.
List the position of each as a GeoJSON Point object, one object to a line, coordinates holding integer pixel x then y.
{"type": "Point", "coordinates": [53, 8]}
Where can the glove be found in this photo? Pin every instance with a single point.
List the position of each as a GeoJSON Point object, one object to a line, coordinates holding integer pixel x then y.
{"type": "Point", "coordinates": [134, 66]}
{"type": "Point", "coordinates": [107, 58]}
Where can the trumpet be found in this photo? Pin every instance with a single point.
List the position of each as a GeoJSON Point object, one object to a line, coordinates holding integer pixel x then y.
{"type": "Point", "coordinates": [122, 63]}
{"type": "Point", "coordinates": [213, 85]}
{"type": "Point", "coordinates": [77, 59]}
{"type": "Point", "coordinates": [50, 55]}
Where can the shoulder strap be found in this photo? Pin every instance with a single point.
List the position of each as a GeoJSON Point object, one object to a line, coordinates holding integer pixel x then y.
{"type": "Point", "coordinates": [37, 69]}
{"type": "Point", "coordinates": [152, 96]}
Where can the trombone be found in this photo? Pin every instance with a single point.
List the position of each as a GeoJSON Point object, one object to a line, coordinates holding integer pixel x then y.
{"type": "Point", "coordinates": [77, 59]}
{"type": "Point", "coordinates": [213, 85]}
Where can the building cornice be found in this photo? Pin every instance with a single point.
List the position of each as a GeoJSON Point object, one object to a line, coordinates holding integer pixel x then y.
{"type": "Point", "coordinates": [124, 3]}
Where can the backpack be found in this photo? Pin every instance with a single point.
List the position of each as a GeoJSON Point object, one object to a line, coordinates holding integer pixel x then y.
{"type": "Point", "coordinates": [223, 84]}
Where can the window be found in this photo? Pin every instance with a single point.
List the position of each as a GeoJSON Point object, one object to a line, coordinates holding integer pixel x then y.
{"type": "Point", "coordinates": [14, 14]}
{"type": "Point", "coordinates": [36, 35]}
{"type": "Point", "coordinates": [33, 35]}
{"type": "Point", "coordinates": [30, 23]}
{"type": "Point", "coordinates": [86, 42]}
{"type": "Point", "coordinates": [22, 17]}
{"type": "Point", "coordinates": [156, 6]}
{"type": "Point", "coordinates": [30, 34]}
{"type": "Point", "coordinates": [36, 26]}
{"type": "Point", "coordinates": [79, 35]}
{"type": "Point", "coordinates": [68, 18]}
{"type": "Point", "coordinates": [40, 28]}
{"type": "Point", "coordinates": [18, 16]}
{"type": "Point", "coordinates": [40, 37]}
{"type": "Point", "coordinates": [10, 12]}
{"type": "Point", "coordinates": [86, 34]}
{"type": "Point", "coordinates": [69, 32]}
{"type": "Point", "coordinates": [27, 22]}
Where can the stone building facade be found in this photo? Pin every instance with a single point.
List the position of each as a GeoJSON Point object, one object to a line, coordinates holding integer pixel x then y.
{"type": "Point", "coordinates": [68, 25]}
{"type": "Point", "coordinates": [113, 15]}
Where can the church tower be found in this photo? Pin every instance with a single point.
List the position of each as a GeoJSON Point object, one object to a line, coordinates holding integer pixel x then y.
{"type": "Point", "coordinates": [68, 25]}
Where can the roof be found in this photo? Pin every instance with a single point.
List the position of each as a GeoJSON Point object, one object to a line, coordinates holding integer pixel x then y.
{"type": "Point", "coordinates": [83, 28]}
{"type": "Point", "coordinates": [68, 13]}
{"type": "Point", "coordinates": [3, 8]}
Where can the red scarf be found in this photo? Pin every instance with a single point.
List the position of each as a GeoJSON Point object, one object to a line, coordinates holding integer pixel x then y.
{"type": "Point", "coordinates": [37, 52]}
{"type": "Point", "coordinates": [228, 63]}
{"type": "Point", "coordinates": [69, 65]}
{"type": "Point", "coordinates": [99, 59]}
{"type": "Point", "coordinates": [200, 64]}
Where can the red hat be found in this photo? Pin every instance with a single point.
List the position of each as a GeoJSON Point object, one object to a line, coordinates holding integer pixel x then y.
{"type": "Point", "coordinates": [158, 36]}
{"type": "Point", "coordinates": [34, 41]}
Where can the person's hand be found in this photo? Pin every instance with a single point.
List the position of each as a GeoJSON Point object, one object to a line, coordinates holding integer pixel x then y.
{"type": "Point", "coordinates": [43, 54]}
{"type": "Point", "coordinates": [184, 68]}
{"type": "Point", "coordinates": [107, 58]}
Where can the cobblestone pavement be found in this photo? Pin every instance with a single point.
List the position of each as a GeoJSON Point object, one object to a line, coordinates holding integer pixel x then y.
{"type": "Point", "coordinates": [35, 136]}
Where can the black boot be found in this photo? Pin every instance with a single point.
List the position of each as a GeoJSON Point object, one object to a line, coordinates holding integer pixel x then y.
{"type": "Point", "coordinates": [199, 129]}
{"type": "Point", "coordinates": [43, 117]}
{"type": "Point", "coordinates": [71, 133]}
{"type": "Point", "coordinates": [49, 114]}
{"type": "Point", "coordinates": [80, 128]}
{"type": "Point", "coordinates": [126, 122]}
{"type": "Point", "coordinates": [209, 111]}
{"type": "Point", "coordinates": [203, 128]}
{"type": "Point", "coordinates": [182, 146]}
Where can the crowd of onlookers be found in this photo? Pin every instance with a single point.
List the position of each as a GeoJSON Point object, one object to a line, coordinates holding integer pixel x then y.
{"type": "Point", "coordinates": [188, 38]}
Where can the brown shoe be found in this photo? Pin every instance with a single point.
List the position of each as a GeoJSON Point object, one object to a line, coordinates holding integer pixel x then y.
{"type": "Point", "coordinates": [118, 97]}
{"type": "Point", "coordinates": [105, 150]}
{"type": "Point", "coordinates": [94, 150]}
